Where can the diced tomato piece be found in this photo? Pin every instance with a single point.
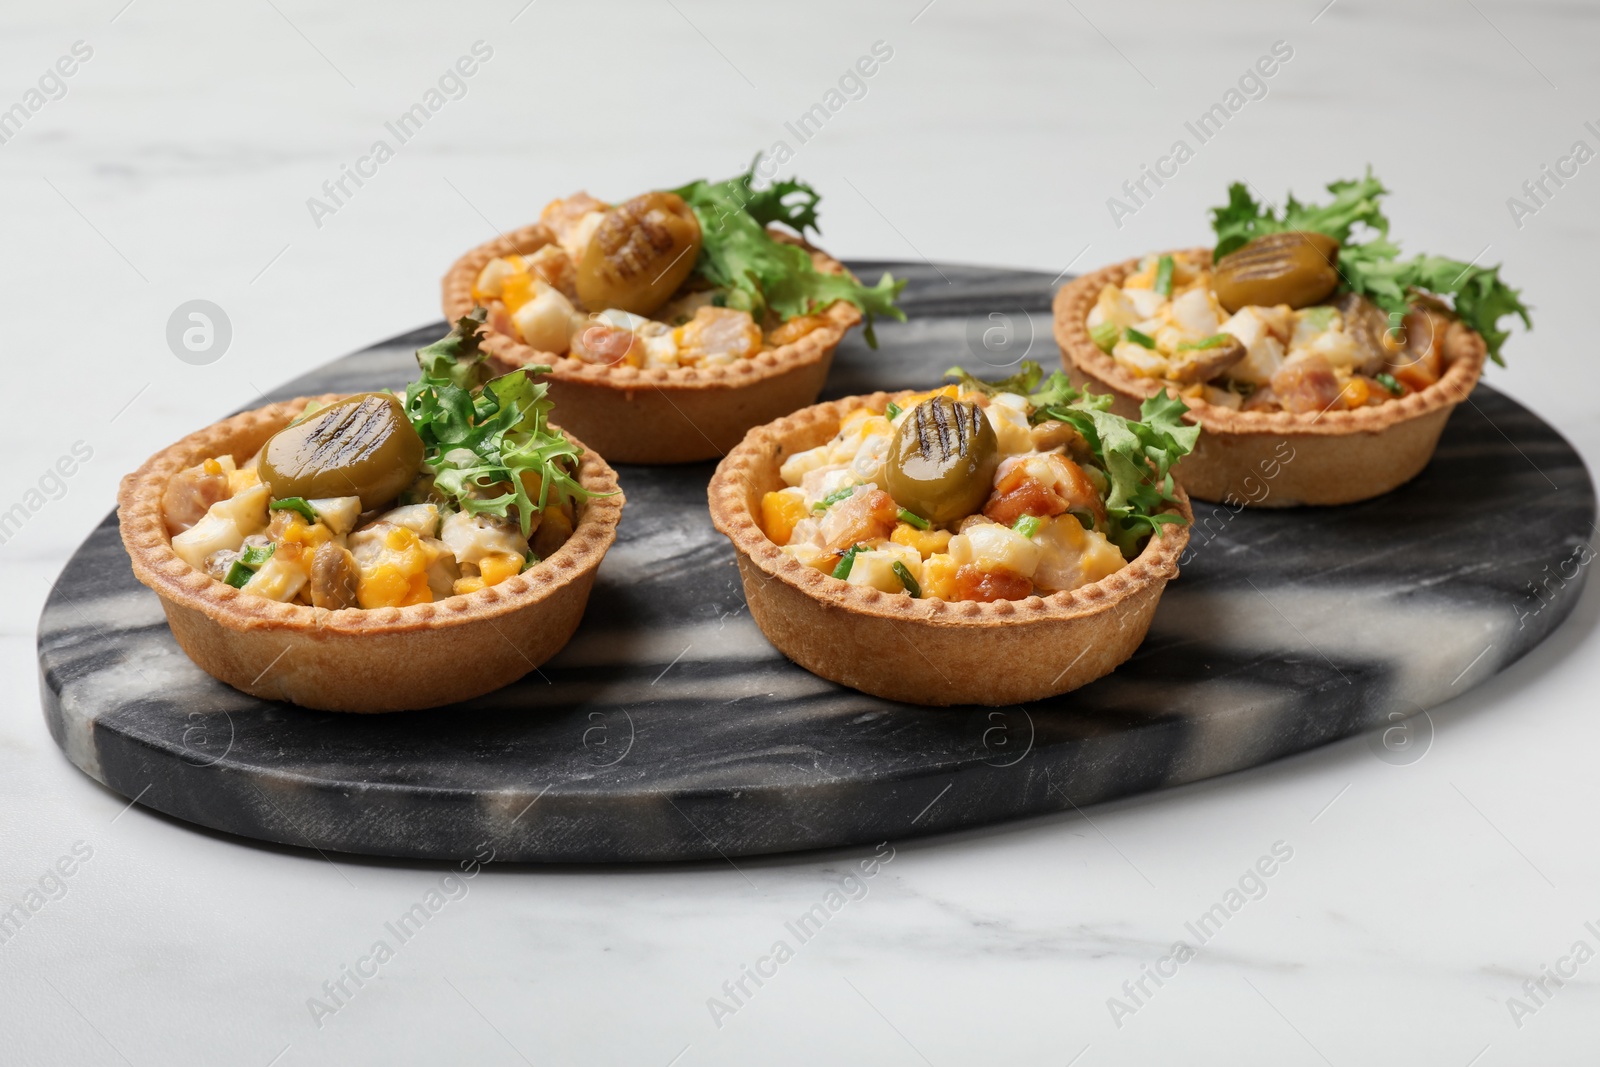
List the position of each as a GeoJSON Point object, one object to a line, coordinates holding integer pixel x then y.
{"type": "Point", "coordinates": [971, 583]}
{"type": "Point", "coordinates": [1306, 384]}
{"type": "Point", "coordinates": [864, 517]}
{"type": "Point", "coordinates": [1042, 486]}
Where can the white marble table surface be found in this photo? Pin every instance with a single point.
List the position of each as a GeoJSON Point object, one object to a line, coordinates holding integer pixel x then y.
{"type": "Point", "coordinates": [177, 165]}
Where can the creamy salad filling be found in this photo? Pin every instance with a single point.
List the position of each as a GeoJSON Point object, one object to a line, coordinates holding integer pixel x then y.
{"type": "Point", "coordinates": [1165, 321]}
{"type": "Point", "coordinates": [980, 491]}
{"type": "Point", "coordinates": [1294, 311]}
{"type": "Point", "coordinates": [381, 501]}
{"type": "Point", "coordinates": [684, 278]}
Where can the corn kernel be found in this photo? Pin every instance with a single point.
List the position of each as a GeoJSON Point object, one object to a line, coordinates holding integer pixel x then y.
{"type": "Point", "coordinates": [780, 511]}
{"type": "Point", "coordinates": [464, 586]}
{"type": "Point", "coordinates": [496, 569]}
{"type": "Point", "coordinates": [926, 542]}
{"type": "Point", "coordinates": [938, 576]}
{"type": "Point", "coordinates": [516, 290]}
{"type": "Point", "coordinates": [1355, 393]}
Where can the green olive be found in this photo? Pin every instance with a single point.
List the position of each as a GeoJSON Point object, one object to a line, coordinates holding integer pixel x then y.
{"type": "Point", "coordinates": [1295, 268]}
{"type": "Point", "coordinates": [639, 254]}
{"type": "Point", "coordinates": [942, 460]}
{"type": "Point", "coordinates": [361, 446]}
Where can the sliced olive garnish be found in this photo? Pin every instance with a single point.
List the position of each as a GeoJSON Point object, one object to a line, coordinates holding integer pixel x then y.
{"type": "Point", "coordinates": [942, 460]}
{"type": "Point", "coordinates": [361, 446]}
{"type": "Point", "coordinates": [639, 255]}
{"type": "Point", "coordinates": [1295, 268]}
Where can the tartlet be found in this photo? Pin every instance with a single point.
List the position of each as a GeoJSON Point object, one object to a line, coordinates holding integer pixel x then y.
{"type": "Point", "coordinates": [669, 324]}
{"type": "Point", "coordinates": [1321, 365]}
{"type": "Point", "coordinates": [926, 650]}
{"type": "Point", "coordinates": [662, 414]}
{"type": "Point", "coordinates": [359, 660]}
{"type": "Point", "coordinates": [1280, 458]}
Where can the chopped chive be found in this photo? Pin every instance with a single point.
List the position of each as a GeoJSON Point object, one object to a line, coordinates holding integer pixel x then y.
{"type": "Point", "coordinates": [249, 561]}
{"type": "Point", "coordinates": [294, 503]}
{"type": "Point", "coordinates": [842, 571]}
{"type": "Point", "coordinates": [911, 518]}
{"type": "Point", "coordinates": [833, 498]}
{"type": "Point", "coordinates": [254, 556]}
{"type": "Point", "coordinates": [1319, 317]}
{"type": "Point", "coordinates": [906, 580]}
{"type": "Point", "coordinates": [1210, 342]}
{"type": "Point", "coordinates": [1388, 381]}
{"type": "Point", "coordinates": [1164, 276]}
{"type": "Point", "coordinates": [238, 574]}
{"type": "Point", "coordinates": [1104, 336]}
{"type": "Point", "coordinates": [892, 412]}
{"type": "Point", "coordinates": [1028, 525]}
{"type": "Point", "coordinates": [1140, 338]}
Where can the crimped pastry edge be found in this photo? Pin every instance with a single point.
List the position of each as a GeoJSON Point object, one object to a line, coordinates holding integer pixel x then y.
{"type": "Point", "coordinates": [158, 566]}
{"type": "Point", "coordinates": [1464, 350]}
{"type": "Point", "coordinates": [730, 494]}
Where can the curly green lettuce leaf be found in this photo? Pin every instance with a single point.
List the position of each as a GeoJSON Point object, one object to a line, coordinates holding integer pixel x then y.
{"type": "Point", "coordinates": [1022, 383]}
{"type": "Point", "coordinates": [1354, 203]}
{"type": "Point", "coordinates": [758, 273]}
{"type": "Point", "coordinates": [1373, 268]}
{"type": "Point", "coordinates": [479, 437]}
{"type": "Point", "coordinates": [1136, 456]}
{"type": "Point", "coordinates": [456, 357]}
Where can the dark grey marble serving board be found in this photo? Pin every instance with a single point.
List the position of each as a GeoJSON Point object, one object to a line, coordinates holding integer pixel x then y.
{"type": "Point", "coordinates": [670, 729]}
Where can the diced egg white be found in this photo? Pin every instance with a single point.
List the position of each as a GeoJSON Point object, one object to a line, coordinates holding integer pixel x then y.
{"type": "Point", "coordinates": [1139, 359]}
{"type": "Point", "coordinates": [1146, 302]}
{"type": "Point", "coordinates": [810, 554]}
{"type": "Point", "coordinates": [1007, 413]}
{"type": "Point", "coordinates": [1070, 556]}
{"type": "Point", "coordinates": [576, 241]}
{"type": "Point", "coordinates": [1263, 352]}
{"type": "Point", "coordinates": [224, 526]}
{"type": "Point", "coordinates": [876, 567]}
{"type": "Point", "coordinates": [990, 546]}
{"type": "Point", "coordinates": [660, 345]}
{"type": "Point", "coordinates": [278, 579]}
{"type": "Point", "coordinates": [472, 537]}
{"type": "Point", "coordinates": [1192, 312]}
{"type": "Point", "coordinates": [546, 321]}
{"type": "Point", "coordinates": [338, 513]}
{"type": "Point", "coordinates": [420, 519]}
{"type": "Point", "coordinates": [797, 466]}
{"type": "Point", "coordinates": [1337, 347]}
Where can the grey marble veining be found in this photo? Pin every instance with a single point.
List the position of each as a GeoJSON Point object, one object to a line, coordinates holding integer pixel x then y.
{"type": "Point", "coordinates": [670, 729]}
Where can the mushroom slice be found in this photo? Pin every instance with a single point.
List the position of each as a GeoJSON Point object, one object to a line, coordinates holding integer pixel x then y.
{"type": "Point", "coordinates": [1203, 364]}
